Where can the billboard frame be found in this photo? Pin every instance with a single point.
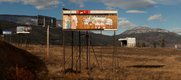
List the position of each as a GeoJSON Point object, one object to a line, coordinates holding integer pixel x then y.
{"type": "Point", "coordinates": [90, 12]}
{"type": "Point", "coordinates": [7, 32]}
{"type": "Point", "coordinates": [114, 55]}
{"type": "Point", "coordinates": [23, 29]}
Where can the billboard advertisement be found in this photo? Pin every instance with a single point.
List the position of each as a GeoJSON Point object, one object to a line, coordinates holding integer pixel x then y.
{"type": "Point", "coordinates": [7, 32]}
{"type": "Point", "coordinates": [23, 30]}
{"type": "Point", "coordinates": [89, 20]}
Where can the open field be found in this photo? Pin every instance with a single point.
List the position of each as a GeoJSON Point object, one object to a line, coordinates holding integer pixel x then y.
{"type": "Point", "coordinates": [132, 63]}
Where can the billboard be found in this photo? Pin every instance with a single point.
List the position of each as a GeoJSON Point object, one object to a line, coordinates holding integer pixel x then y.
{"type": "Point", "coordinates": [45, 21]}
{"type": "Point", "coordinates": [7, 32]}
{"type": "Point", "coordinates": [90, 19]}
{"type": "Point", "coordinates": [23, 30]}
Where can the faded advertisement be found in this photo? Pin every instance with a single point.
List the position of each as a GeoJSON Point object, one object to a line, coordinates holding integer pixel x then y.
{"type": "Point", "coordinates": [90, 21]}
{"type": "Point", "coordinates": [23, 30]}
{"type": "Point", "coordinates": [70, 22]}
{"type": "Point", "coordinates": [7, 32]}
{"type": "Point", "coordinates": [98, 22]}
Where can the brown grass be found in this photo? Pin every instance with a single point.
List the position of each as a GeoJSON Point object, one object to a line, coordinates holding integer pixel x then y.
{"type": "Point", "coordinates": [170, 58]}
{"type": "Point", "coordinates": [20, 74]}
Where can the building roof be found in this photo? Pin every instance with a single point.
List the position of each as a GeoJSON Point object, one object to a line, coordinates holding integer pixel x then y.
{"type": "Point", "coordinates": [122, 39]}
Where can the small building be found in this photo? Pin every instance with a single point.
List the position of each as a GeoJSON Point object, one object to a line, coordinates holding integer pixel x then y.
{"type": "Point", "coordinates": [128, 42]}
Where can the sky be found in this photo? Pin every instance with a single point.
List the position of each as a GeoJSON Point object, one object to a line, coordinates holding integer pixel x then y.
{"type": "Point", "coordinates": [165, 14]}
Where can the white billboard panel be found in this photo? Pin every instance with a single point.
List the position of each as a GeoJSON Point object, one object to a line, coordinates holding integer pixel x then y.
{"type": "Point", "coordinates": [7, 32]}
{"type": "Point", "coordinates": [23, 30]}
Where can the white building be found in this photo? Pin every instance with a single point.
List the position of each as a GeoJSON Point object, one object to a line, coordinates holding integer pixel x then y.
{"type": "Point", "coordinates": [128, 42]}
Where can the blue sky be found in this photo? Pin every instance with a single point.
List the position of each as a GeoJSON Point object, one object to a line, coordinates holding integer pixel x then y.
{"type": "Point", "coordinates": [164, 14]}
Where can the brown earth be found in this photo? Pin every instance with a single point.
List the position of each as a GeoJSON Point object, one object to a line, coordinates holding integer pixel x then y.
{"type": "Point", "coordinates": [132, 63]}
{"type": "Point", "coordinates": [18, 64]}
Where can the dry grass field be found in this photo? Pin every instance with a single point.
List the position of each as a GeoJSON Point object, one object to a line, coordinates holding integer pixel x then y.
{"type": "Point", "coordinates": [132, 63]}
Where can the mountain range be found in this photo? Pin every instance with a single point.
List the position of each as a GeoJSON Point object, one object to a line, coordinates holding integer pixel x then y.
{"type": "Point", "coordinates": [144, 35]}
{"type": "Point", "coordinates": [152, 36]}
{"type": "Point", "coordinates": [143, 29]}
{"type": "Point", "coordinates": [19, 19]}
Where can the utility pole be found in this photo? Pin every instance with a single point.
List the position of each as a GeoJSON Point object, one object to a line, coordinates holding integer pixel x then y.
{"type": "Point", "coordinates": [48, 37]}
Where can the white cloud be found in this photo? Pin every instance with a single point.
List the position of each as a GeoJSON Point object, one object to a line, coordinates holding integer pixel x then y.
{"type": "Point", "coordinates": [62, 4]}
{"type": "Point", "coordinates": [135, 11]}
{"type": "Point", "coordinates": [80, 2]}
{"type": "Point", "coordinates": [111, 8]}
{"type": "Point", "coordinates": [156, 17]}
{"type": "Point", "coordinates": [125, 4]}
{"type": "Point", "coordinates": [39, 4]}
{"type": "Point", "coordinates": [176, 30]}
{"type": "Point", "coordinates": [125, 23]}
{"type": "Point", "coordinates": [129, 4]}
{"type": "Point", "coordinates": [168, 2]}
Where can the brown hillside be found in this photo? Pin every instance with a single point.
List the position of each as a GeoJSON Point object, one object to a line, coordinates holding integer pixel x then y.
{"type": "Point", "coordinates": [18, 64]}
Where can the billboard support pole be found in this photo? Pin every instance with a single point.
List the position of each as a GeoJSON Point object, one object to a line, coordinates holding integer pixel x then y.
{"type": "Point", "coordinates": [72, 50]}
{"type": "Point", "coordinates": [63, 42]}
{"type": "Point", "coordinates": [80, 51]}
{"type": "Point", "coordinates": [89, 56]}
{"type": "Point", "coordinates": [101, 55]}
{"type": "Point", "coordinates": [114, 44]}
{"type": "Point", "coordinates": [63, 51]}
{"type": "Point", "coordinates": [87, 49]}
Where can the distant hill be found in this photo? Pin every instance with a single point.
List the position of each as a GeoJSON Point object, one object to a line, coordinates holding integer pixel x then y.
{"type": "Point", "coordinates": [152, 36]}
{"type": "Point", "coordinates": [144, 35]}
{"type": "Point", "coordinates": [38, 33]}
{"type": "Point", "coordinates": [22, 19]}
{"type": "Point", "coordinates": [7, 24]}
{"type": "Point", "coordinates": [19, 19]}
{"type": "Point", "coordinates": [143, 29]}
{"type": "Point", "coordinates": [12, 58]}
{"type": "Point", "coordinates": [59, 23]}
